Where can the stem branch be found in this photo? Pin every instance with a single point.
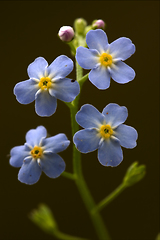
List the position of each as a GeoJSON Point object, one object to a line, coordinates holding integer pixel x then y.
{"type": "Point", "coordinates": [64, 236]}
{"type": "Point", "coordinates": [109, 198]}
{"type": "Point", "coordinates": [68, 175]}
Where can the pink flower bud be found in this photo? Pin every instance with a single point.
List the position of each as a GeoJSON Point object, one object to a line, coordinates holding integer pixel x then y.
{"type": "Point", "coordinates": [66, 33]}
{"type": "Point", "coordinates": [98, 24]}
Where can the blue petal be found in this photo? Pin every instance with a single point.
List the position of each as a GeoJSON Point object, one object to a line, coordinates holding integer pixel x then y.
{"type": "Point", "coordinates": [45, 104]}
{"type": "Point", "coordinates": [121, 72]}
{"type": "Point", "coordinates": [52, 165]}
{"type": "Point", "coordinates": [34, 136]}
{"type": "Point", "coordinates": [60, 67]}
{"type": "Point", "coordinates": [57, 143]}
{"type": "Point", "coordinates": [100, 77]}
{"type": "Point", "coordinates": [87, 58]}
{"type": "Point", "coordinates": [97, 39]}
{"type": "Point", "coordinates": [30, 172]}
{"type": "Point", "coordinates": [115, 114]}
{"type": "Point", "coordinates": [110, 152]}
{"type": "Point", "coordinates": [18, 154]}
{"type": "Point", "coordinates": [65, 89]}
{"type": "Point", "coordinates": [37, 68]}
{"type": "Point", "coordinates": [122, 48]}
{"type": "Point", "coordinates": [86, 140]}
{"type": "Point", "coordinates": [25, 91]}
{"type": "Point", "coordinates": [127, 136]}
{"type": "Point", "coordinates": [89, 117]}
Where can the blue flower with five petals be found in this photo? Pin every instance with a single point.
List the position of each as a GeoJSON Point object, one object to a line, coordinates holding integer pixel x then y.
{"type": "Point", "coordinates": [104, 131]}
{"type": "Point", "coordinates": [106, 60]}
{"type": "Point", "coordinates": [47, 84]}
{"type": "Point", "coordinates": [39, 154]}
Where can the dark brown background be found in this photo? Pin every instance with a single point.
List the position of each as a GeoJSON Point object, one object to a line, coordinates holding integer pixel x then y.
{"type": "Point", "coordinates": [28, 29]}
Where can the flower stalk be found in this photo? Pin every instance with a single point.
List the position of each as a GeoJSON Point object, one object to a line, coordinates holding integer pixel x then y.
{"type": "Point", "coordinates": [68, 175]}
{"type": "Point", "coordinates": [134, 174]}
{"type": "Point", "coordinates": [44, 219]}
{"type": "Point", "coordinates": [109, 198]}
{"type": "Point", "coordinates": [97, 221]}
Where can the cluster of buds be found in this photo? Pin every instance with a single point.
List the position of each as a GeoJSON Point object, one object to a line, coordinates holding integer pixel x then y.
{"type": "Point", "coordinates": [66, 33]}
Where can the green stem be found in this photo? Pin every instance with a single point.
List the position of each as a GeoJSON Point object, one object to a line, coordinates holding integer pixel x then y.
{"type": "Point", "coordinates": [68, 175]}
{"type": "Point", "coordinates": [73, 49]}
{"type": "Point", "coordinates": [83, 79]}
{"type": "Point", "coordinates": [64, 236]}
{"type": "Point", "coordinates": [109, 198]}
{"type": "Point", "coordinates": [79, 180]}
{"type": "Point", "coordinates": [79, 72]}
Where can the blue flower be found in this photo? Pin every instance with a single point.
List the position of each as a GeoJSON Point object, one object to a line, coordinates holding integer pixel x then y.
{"type": "Point", "coordinates": [39, 154]}
{"type": "Point", "coordinates": [106, 60]}
{"type": "Point", "coordinates": [104, 131]}
{"type": "Point", "coordinates": [47, 84]}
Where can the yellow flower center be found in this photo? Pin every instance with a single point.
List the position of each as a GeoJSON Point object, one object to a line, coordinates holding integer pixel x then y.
{"type": "Point", "coordinates": [37, 152]}
{"type": "Point", "coordinates": [106, 131]}
{"type": "Point", "coordinates": [45, 83]}
{"type": "Point", "coordinates": [105, 59]}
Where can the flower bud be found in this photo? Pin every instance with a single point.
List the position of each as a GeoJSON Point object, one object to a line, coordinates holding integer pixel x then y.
{"type": "Point", "coordinates": [66, 33]}
{"type": "Point", "coordinates": [80, 25]}
{"type": "Point", "coordinates": [98, 24]}
{"type": "Point", "coordinates": [134, 174]}
{"type": "Point", "coordinates": [44, 219]}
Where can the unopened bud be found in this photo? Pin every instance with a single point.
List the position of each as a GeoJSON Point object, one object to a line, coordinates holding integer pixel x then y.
{"type": "Point", "coordinates": [80, 25]}
{"type": "Point", "coordinates": [134, 174]}
{"type": "Point", "coordinates": [98, 24]}
{"type": "Point", "coordinates": [66, 33]}
{"type": "Point", "coordinates": [44, 219]}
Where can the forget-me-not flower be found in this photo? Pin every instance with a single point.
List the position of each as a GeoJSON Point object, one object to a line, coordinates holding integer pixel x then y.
{"type": "Point", "coordinates": [106, 60]}
{"type": "Point", "coordinates": [104, 131]}
{"type": "Point", "coordinates": [47, 84]}
{"type": "Point", "coordinates": [39, 154]}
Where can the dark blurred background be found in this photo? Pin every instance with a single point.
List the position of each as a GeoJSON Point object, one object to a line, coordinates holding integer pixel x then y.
{"type": "Point", "coordinates": [28, 29]}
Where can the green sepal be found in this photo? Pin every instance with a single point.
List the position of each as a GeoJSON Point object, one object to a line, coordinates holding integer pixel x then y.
{"type": "Point", "coordinates": [44, 219]}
